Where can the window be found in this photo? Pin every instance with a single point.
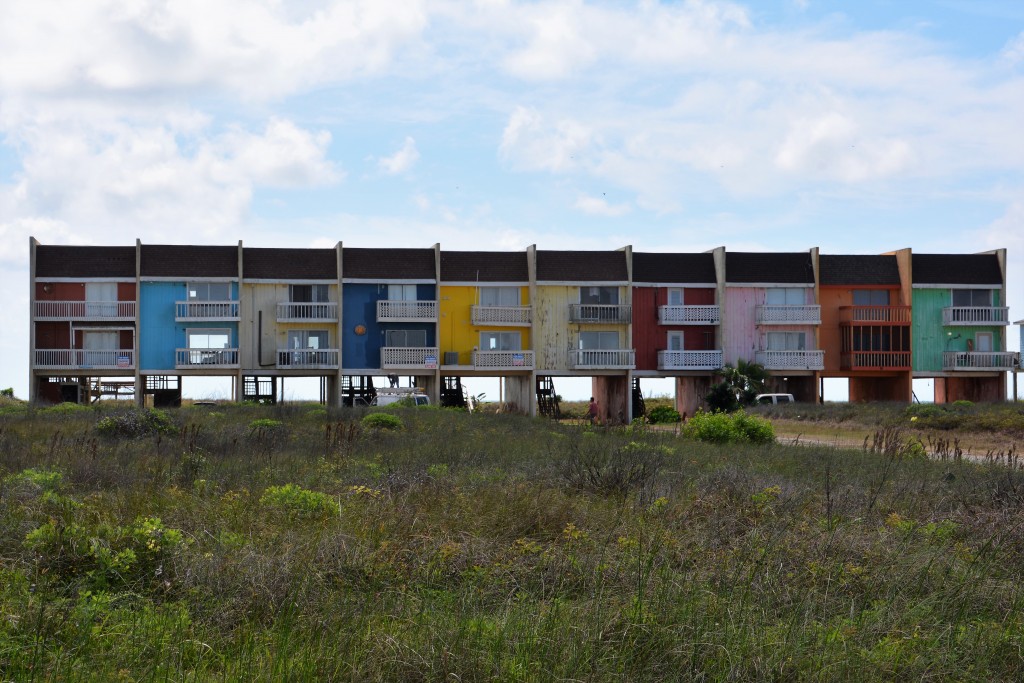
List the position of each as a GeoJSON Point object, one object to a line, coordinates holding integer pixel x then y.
{"type": "Point", "coordinates": [786, 296]}
{"type": "Point", "coordinates": [407, 338]}
{"type": "Point", "coordinates": [675, 297]}
{"type": "Point", "coordinates": [983, 342]}
{"type": "Point", "coordinates": [101, 298]}
{"type": "Point", "coordinates": [401, 292]}
{"type": "Point", "coordinates": [972, 297]}
{"type": "Point", "coordinates": [307, 339]}
{"type": "Point", "coordinates": [787, 341]}
{"type": "Point", "coordinates": [599, 340]}
{"type": "Point", "coordinates": [307, 294]}
{"type": "Point", "coordinates": [209, 291]}
{"type": "Point", "coordinates": [675, 341]}
{"type": "Point", "coordinates": [607, 296]}
{"type": "Point", "coordinates": [208, 338]}
{"type": "Point", "coordinates": [500, 341]}
{"type": "Point", "coordinates": [499, 296]}
{"type": "Point", "coordinates": [870, 297]}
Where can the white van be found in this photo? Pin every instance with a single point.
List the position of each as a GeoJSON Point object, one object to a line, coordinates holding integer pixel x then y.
{"type": "Point", "coordinates": [773, 399]}
{"type": "Point", "coordinates": [415, 395]}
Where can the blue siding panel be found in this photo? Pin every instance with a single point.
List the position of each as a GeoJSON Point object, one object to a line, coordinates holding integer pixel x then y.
{"type": "Point", "coordinates": [160, 334]}
{"type": "Point", "coordinates": [359, 308]}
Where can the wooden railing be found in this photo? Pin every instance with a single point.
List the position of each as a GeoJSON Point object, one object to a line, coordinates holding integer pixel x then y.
{"type": "Point", "coordinates": [689, 315]}
{"type": "Point", "coordinates": [502, 315]}
{"type": "Point", "coordinates": [602, 359]}
{"type": "Point", "coordinates": [896, 315]}
{"type": "Point", "coordinates": [79, 310]}
{"type": "Point", "coordinates": [408, 357]}
{"type": "Point", "coordinates": [976, 315]}
{"type": "Point", "coordinates": [789, 315]}
{"type": "Point", "coordinates": [791, 360]}
{"type": "Point", "coordinates": [689, 360]}
{"type": "Point", "coordinates": [615, 314]}
{"type": "Point", "coordinates": [406, 311]}
{"type": "Point", "coordinates": [298, 359]}
{"type": "Point", "coordinates": [206, 310]}
{"type": "Point", "coordinates": [503, 360]}
{"type": "Point", "coordinates": [85, 359]}
{"type": "Point", "coordinates": [293, 311]}
{"type": "Point", "coordinates": [979, 360]}
{"type": "Point", "coordinates": [887, 360]}
{"type": "Point", "coordinates": [206, 358]}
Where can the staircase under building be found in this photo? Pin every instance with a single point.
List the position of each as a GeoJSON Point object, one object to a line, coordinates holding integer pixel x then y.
{"type": "Point", "coordinates": [547, 399]}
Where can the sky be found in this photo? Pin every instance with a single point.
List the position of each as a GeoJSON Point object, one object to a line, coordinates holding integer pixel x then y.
{"type": "Point", "coordinates": [770, 125]}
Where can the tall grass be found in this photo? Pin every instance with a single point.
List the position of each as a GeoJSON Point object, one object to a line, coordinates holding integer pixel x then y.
{"type": "Point", "coordinates": [471, 547]}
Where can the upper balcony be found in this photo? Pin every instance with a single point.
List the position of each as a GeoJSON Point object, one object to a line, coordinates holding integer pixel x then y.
{"type": "Point", "coordinates": [875, 360]}
{"type": "Point", "coordinates": [85, 310]}
{"type": "Point", "coordinates": [605, 314]}
{"type": "Point", "coordinates": [503, 360]}
{"type": "Point", "coordinates": [791, 360]}
{"type": "Point", "coordinates": [185, 311]}
{"type": "Point", "coordinates": [874, 315]}
{"type": "Point", "coordinates": [505, 316]}
{"type": "Point", "coordinates": [602, 359]}
{"type": "Point", "coordinates": [391, 311]}
{"type": "Point", "coordinates": [307, 359]}
{"type": "Point", "coordinates": [689, 360]}
{"type": "Point", "coordinates": [809, 314]}
{"type": "Point", "coordinates": [295, 312]}
{"type": "Point", "coordinates": [979, 360]}
{"type": "Point", "coordinates": [205, 359]}
{"type": "Point", "coordinates": [975, 315]}
{"type": "Point", "coordinates": [84, 359]}
{"type": "Point", "coordinates": [408, 358]}
{"type": "Point", "coordinates": [689, 315]}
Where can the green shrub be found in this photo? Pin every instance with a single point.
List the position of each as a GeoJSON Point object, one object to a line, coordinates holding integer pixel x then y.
{"type": "Point", "coordinates": [265, 424]}
{"type": "Point", "coordinates": [299, 502]}
{"type": "Point", "coordinates": [663, 415]}
{"type": "Point", "coordinates": [136, 423]}
{"type": "Point", "coordinates": [754, 429]}
{"type": "Point", "coordinates": [735, 427]}
{"type": "Point", "coordinates": [67, 408]}
{"type": "Point", "coordinates": [383, 421]}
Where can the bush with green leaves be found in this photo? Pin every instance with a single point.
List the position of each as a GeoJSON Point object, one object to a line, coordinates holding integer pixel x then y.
{"type": "Point", "coordinates": [296, 501]}
{"type": "Point", "coordinates": [663, 415]}
{"type": "Point", "coordinates": [383, 421]}
{"type": "Point", "coordinates": [134, 423]}
{"type": "Point", "coordinates": [735, 427]}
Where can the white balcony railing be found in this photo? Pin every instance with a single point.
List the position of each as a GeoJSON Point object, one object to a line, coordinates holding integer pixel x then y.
{"type": "Point", "coordinates": [602, 359]}
{"type": "Point", "coordinates": [502, 315]}
{"type": "Point", "coordinates": [614, 314]}
{"type": "Point", "coordinates": [791, 360]}
{"type": "Point", "coordinates": [503, 360]}
{"type": "Point", "coordinates": [206, 310]}
{"type": "Point", "coordinates": [979, 360]}
{"type": "Point", "coordinates": [411, 357]}
{"type": "Point", "coordinates": [406, 311]}
{"type": "Point", "coordinates": [789, 315]}
{"type": "Point", "coordinates": [689, 315]}
{"type": "Point", "coordinates": [301, 359]}
{"type": "Point", "coordinates": [293, 311]}
{"type": "Point", "coordinates": [85, 310]}
{"type": "Point", "coordinates": [689, 360]}
{"type": "Point", "coordinates": [205, 358]}
{"type": "Point", "coordinates": [976, 315]}
{"type": "Point", "coordinates": [85, 359]}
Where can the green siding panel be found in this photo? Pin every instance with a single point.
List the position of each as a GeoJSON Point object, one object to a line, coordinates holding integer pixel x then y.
{"type": "Point", "coordinates": [930, 338]}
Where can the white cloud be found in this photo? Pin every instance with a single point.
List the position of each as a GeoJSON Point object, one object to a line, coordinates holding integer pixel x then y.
{"type": "Point", "coordinates": [1013, 51]}
{"type": "Point", "coordinates": [596, 206]}
{"type": "Point", "coordinates": [402, 160]}
{"type": "Point", "coordinates": [531, 142]}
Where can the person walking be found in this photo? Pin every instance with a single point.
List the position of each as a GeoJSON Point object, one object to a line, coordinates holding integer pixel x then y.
{"type": "Point", "coordinates": [592, 411]}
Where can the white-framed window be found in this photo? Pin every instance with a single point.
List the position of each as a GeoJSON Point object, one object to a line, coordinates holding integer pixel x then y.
{"type": "Point", "coordinates": [209, 291]}
{"type": "Point", "coordinates": [208, 338]}
{"type": "Point", "coordinates": [983, 342]}
{"type": "Point", "coordinates": [607, 296]}
{"type": "Point", "coordinates": [401, 292]}
{"type": "Point", "coordinates": [499, 296]}
{"type": "Point", "coordinates": [787, 341]}
{"type": "Point", "coordinates": [785, 296]}
{"type": "Point", "coordinates": [406, 338]}
{"type": "Point", "coordinates": [500, 341]}
{"type": "Point", "coordinates": [675, 296]}
{"type": "Point", "coordinates": [871, 297]}
{"type": "Point", "coordinates": [599, 340]}
{"type": "Point", "coordinates": [101, 298]}
{"type": "Point", "coordinates": [972, 297]}
{"type": "Point", "coordinates": [307, 294]}
{"type": "Point", "coordinates": [675, 341]}
{"type": "Point", "coordinates": [308, 339]}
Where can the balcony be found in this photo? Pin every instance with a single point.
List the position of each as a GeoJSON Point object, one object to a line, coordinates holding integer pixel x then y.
{"type": "Point", "coordinates": [689, 360]}
{"type": "Point", "coordinates": [408, 357]}
{"type": "Point", "coordinates": [295, 312]}
{"type": "Point", "coordinates": [875, 360]}
{"type": "Point", "coordinates": [185, 311]}
{"type": "Point", "coordinates": [975, 315]}
{"type": "Point", "coordinates": [608, 314]}
{"type": "Point", "coordinates": [511, 316]}
{"type": "Point", "coordinates": [791, 360]}
{"type": "Point", "coordinates": [205, 358]}
{"type": "Point", "coordinates": [602, 359]}
{"type": "Point", "coordinates": [874, 315]}
{"type": "Point", "coordinates": [789, 315]}
{"type": "Point", "coordinates": [979, 360]}
{"type": "Point", "coordinates": [85, 359]}
{"type": "Point", "coordinates": [406, 311]}
{"type": "Point", "coordinates": [503, 360]}
{"type": "Point", "coordinates": [307, 359]}
{"type": "Point", "coordinates": [689, 315]}
{"type": "Point", "coordinates": [85, 310]}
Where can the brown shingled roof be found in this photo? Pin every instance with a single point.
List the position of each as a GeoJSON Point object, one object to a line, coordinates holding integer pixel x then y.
{"type": "Point", "coordinates": [858, 270]}
{"type": "Point", "coordinates": [187, 260]}
{"type": "Point", "coordinates": [781, 268]}
{"type": "Point", "coordinates": [669, 268]}
{"type": "Point", "coordinates": [67, 261]}
{"type": "Point", "coordinates": [388, 264]}
{"type": "Point", "coordinates": [484, 266]}
{"type": "Point", "coordinates": [584, 266]}
{"type": "Point", "coordinates": [289, 264]}
{"type": "Point", "coordinates": [956, 269]}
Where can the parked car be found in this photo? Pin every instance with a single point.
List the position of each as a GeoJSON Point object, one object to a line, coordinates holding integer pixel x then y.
{"type": "Point", "coordinates": [773, 399]}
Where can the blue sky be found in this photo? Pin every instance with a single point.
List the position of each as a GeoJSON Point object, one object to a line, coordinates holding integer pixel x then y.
{"type": "Point", "coordinates": [858, 127]}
